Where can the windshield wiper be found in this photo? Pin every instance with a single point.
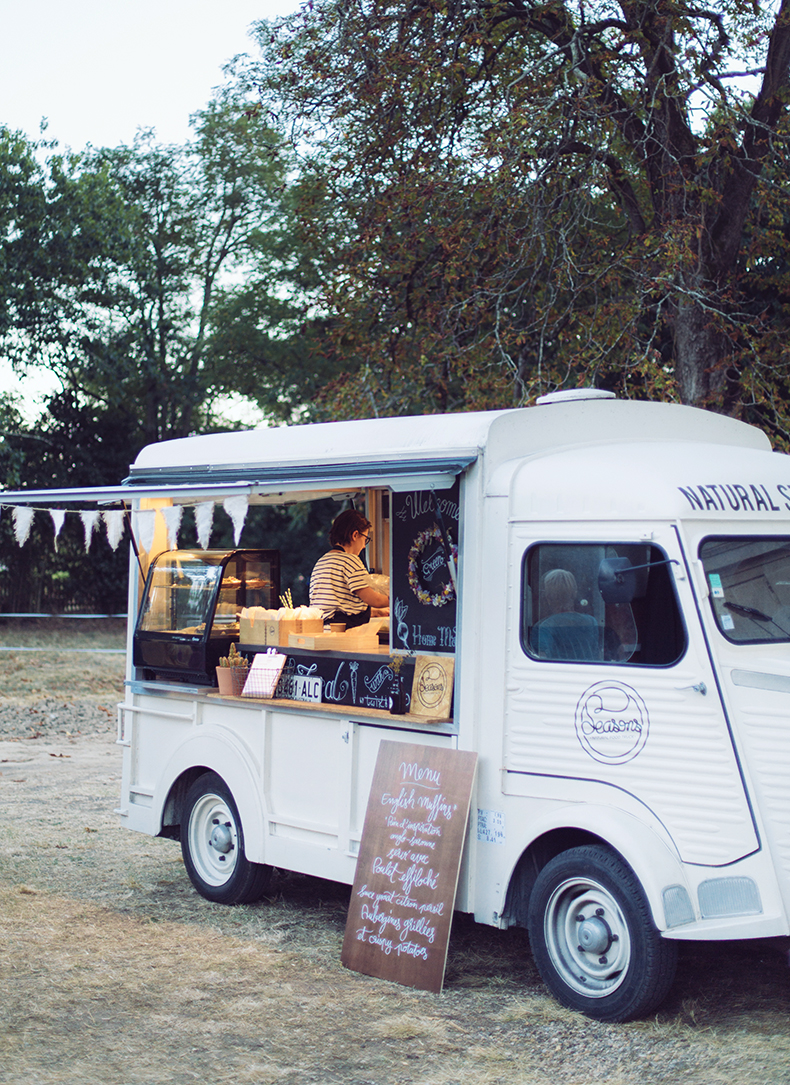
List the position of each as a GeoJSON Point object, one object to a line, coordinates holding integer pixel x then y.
{"type": "Point", "coordinates": [749, 612]}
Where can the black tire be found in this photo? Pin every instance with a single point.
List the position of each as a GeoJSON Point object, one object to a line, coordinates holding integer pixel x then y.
{"type": "Point", "coordinates": [212, 843]}
{"type": "Point", "coordinates": [593, 937]}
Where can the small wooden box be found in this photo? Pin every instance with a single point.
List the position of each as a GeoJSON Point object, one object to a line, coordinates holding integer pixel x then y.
{"type": "Point", "coordinates": [290, 627]}
{"type": "Point", "coordinates": [273, 633]}
{"type": "Point", "coordinates": [251, 632]}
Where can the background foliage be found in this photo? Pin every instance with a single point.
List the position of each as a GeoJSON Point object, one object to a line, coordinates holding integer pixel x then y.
{"type": "Point", "coordinates": [527, 195]}
{"type": "Point", "coordinates": [407, 206]}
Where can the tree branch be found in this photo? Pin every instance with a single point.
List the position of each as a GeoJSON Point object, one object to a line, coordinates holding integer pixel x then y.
{"type": "Point", "coordinates": [769, 106]}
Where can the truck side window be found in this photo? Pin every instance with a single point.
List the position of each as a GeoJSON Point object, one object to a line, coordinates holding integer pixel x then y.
{"type": "Point", "coordinates": [749, 586]}
{"type": "Point", "coordinates": [568, 614]}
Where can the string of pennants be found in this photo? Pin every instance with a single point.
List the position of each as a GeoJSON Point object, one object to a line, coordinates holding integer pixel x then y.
{"type": "Point", "coordinates": [143, 522]}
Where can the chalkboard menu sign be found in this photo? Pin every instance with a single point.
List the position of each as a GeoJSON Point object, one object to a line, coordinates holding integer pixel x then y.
{"type": "Point", "coordinates": [422, 589]}
{"type": "Point", "coordinates": [339, 679]}
{"type": "Point", "coordinates": [402, 902]}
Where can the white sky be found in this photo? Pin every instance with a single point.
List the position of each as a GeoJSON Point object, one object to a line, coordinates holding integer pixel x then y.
{"type": "Point", "coordinates": [101, 69]}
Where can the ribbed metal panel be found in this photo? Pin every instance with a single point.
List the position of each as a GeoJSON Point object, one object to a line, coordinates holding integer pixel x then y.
{"type": "Point", "coordinates": [686, 772]}
{"type": "Point", "coordinates": [764, 716]}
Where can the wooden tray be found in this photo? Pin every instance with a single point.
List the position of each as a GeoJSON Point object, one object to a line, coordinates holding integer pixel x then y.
{"type": "Point", "coordinates": [350, 641]}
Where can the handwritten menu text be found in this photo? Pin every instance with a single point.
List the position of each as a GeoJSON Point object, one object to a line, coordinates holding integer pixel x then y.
{"type": "Point", "coordinates": [407, 872]}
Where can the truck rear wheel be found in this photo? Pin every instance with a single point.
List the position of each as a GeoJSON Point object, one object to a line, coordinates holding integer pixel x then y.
{"type": "Point", "coordinates": [212, 843]}
{"type": "Point", "coordinates": [593, 938]}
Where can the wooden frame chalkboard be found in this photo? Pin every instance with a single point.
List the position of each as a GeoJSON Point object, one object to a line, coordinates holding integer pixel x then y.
{"type": "Point", "coordinates": [402, 901]}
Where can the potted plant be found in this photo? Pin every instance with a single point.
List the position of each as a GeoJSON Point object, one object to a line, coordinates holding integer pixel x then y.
{"type": "Point", "coordinates": [232, 672]}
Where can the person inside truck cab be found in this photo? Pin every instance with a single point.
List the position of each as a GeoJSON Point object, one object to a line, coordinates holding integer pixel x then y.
{"type": "Point", "coordinates": [562, 632]}
{"type": "Point", "coordinates": [340, 584]}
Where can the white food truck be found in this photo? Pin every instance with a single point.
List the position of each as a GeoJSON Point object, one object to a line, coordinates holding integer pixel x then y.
{"type": "Point", "coordinates": [611, 582]}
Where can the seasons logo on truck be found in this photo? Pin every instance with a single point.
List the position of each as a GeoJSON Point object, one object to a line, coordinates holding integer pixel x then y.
{"type": "Point", "coordinates": [612, 723]}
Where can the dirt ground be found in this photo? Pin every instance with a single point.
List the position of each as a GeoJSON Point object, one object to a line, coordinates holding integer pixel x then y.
{"type": "Point", "coordinates": [113, 971]}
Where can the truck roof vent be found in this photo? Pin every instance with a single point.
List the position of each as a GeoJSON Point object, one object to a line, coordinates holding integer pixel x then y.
{"type": "Point", "coordinates": [569, 394]}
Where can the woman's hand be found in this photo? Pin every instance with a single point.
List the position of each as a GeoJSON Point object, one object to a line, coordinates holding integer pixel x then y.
{"type": "Point", "coordinates": [372, 598]}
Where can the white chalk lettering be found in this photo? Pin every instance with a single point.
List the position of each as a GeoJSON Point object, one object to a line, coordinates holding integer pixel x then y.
{"type": "Point", "coordinates": [424, 776]}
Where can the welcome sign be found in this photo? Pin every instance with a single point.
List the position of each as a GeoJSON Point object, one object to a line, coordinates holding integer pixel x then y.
{"type": "Point", "coordinates": [425, 532]}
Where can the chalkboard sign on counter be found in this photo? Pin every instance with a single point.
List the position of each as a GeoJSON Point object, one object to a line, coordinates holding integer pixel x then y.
{"type": "Point", "coordinates": [402, 902]}
{"type": "Point", "coordinates": [358, 681]}
{"type": "Point", "coordinates": [338, 678]}
{"type": "Point", "coordinates": [425, 525]}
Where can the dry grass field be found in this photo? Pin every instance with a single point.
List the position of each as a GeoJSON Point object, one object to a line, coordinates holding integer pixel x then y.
{"type": "Point", "coordinates": [113, 971]}
{"type": "Point", "coordinates": [73, 658]}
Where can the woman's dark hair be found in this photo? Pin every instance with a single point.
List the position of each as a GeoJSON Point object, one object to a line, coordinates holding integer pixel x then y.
{"type": "Point", "coordinates": [344, 526]}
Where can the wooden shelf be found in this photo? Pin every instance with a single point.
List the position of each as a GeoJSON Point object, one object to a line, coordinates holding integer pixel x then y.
{"type": "Point", "coordinates": [333, 709]}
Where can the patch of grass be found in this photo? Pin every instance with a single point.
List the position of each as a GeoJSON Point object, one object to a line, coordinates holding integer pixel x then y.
{"type": "Point", "coordinates": [115, 972]}
{"type": "Point", "coordinates": [55, 670]}
{"type": "Point", "coordinates": [54, 633]}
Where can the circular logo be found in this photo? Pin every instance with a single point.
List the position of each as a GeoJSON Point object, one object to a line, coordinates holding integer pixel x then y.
{"type": "Point", "coordinates": [612, 722]}
{"type": "Point", "coordinates": [432, 685]}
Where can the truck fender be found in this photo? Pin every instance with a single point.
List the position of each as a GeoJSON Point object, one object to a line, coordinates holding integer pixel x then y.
{"type": "Point", "coordinates": [646, 849]}
{"type": "Point", "coordinates": [219, 750]}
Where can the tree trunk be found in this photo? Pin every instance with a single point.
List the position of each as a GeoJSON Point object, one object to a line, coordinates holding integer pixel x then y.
{"type": "Point", "coordinates": [702, 351]}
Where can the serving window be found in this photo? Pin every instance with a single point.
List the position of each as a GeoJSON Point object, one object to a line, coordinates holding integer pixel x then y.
{"type": "Point", "coordinates": [600, 603]}
{"type": "Point", "coordinates": [197, 602]}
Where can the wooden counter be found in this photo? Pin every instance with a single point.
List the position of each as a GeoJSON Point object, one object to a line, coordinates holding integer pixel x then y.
{"type": "Point", "coordinates": [335, 709]}
{"type": "Point", "coordinates": [351, 680]}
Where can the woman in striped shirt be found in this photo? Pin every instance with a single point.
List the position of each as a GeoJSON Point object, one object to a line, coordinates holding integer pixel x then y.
{"type": "Point", "coordinates": [340, 584]}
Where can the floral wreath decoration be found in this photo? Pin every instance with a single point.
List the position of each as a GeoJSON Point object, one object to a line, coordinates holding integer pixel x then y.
{"type": "Point", "coordinates": [447, 591]}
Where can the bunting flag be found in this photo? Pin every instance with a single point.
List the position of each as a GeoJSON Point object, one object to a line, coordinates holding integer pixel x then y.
{"type": "Point", "coordinates": [144, 527]}
{"type": "Point", "coordinates": [204, 517]}
{"type": "Point", "coordinates": [23, 520]}
{"type": "Point", "coordinates": [172, 516]}
{"type": "Point", "coordinates": [143, 522]}
{"type": "Point", "coordinates": [90, 518]}
{"type": "Point", "coordinates": [236, 508]}
{"type": "Point", "coordinates": [58, 516]}
{"type": "Point", "coordinates": [114, 523]}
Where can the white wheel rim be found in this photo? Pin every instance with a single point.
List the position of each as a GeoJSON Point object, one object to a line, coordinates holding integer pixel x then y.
{"type": "Point", "coordinates": [587, 937]}
{"type": "Point", "coordinates": [213, 840]}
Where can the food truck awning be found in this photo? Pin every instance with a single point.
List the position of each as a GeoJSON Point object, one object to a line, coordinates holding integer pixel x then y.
{"type": "Point", "coordinates": [273, 483]}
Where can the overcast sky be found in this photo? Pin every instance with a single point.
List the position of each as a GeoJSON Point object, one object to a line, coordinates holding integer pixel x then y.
{"type": "Point", "coordinates": [101, 69]}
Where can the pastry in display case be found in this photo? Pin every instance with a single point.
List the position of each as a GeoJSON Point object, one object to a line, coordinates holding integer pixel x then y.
{"type": "Point", "coordinates": [190, 609]}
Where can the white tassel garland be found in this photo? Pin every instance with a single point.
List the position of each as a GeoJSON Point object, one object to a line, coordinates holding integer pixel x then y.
{"type": "Point", "coordinates": [114, 523]}
{"type": "Point", "coordinates": [236, 508]}
{"type": "Point", "coordinates": [172, 516]}
{"type": "Point", "coordinates": [204, 517]}
{"type": "Point", "coordinates": [23, 520]}
{"type": "Point", "coordinates": [58, 516]}
{"type": "Point", "coordinates": [90, 518]}
{"type": "Point", "coordinates": [145, 525]}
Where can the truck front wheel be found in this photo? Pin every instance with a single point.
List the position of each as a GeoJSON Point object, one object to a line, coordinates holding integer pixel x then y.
{"type": "Point", "coordinates": [212, 843]}
{"type": "Point", "coordinates": [593, 938]}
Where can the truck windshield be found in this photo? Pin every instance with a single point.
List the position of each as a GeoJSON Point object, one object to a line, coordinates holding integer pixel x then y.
{"type": "Point", "coordinates": [749, 583]}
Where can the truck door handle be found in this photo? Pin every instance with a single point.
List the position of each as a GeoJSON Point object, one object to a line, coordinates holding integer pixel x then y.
{"type": "Point", "coordinates": [700, 687]}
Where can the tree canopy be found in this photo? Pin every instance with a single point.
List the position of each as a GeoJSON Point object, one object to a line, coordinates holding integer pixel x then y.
{"type": "Point", "coordinates": [152, 281]}
{"type": "Point", "coordinates": [517, 195]}
{"type": "Point", "coordinates": [416, 206]}
{"type": "Point", "coordinates": [154, 278]}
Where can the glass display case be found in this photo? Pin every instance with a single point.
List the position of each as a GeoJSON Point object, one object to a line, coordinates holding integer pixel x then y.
{"type": "Point", "coordinates": [189, 613]}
